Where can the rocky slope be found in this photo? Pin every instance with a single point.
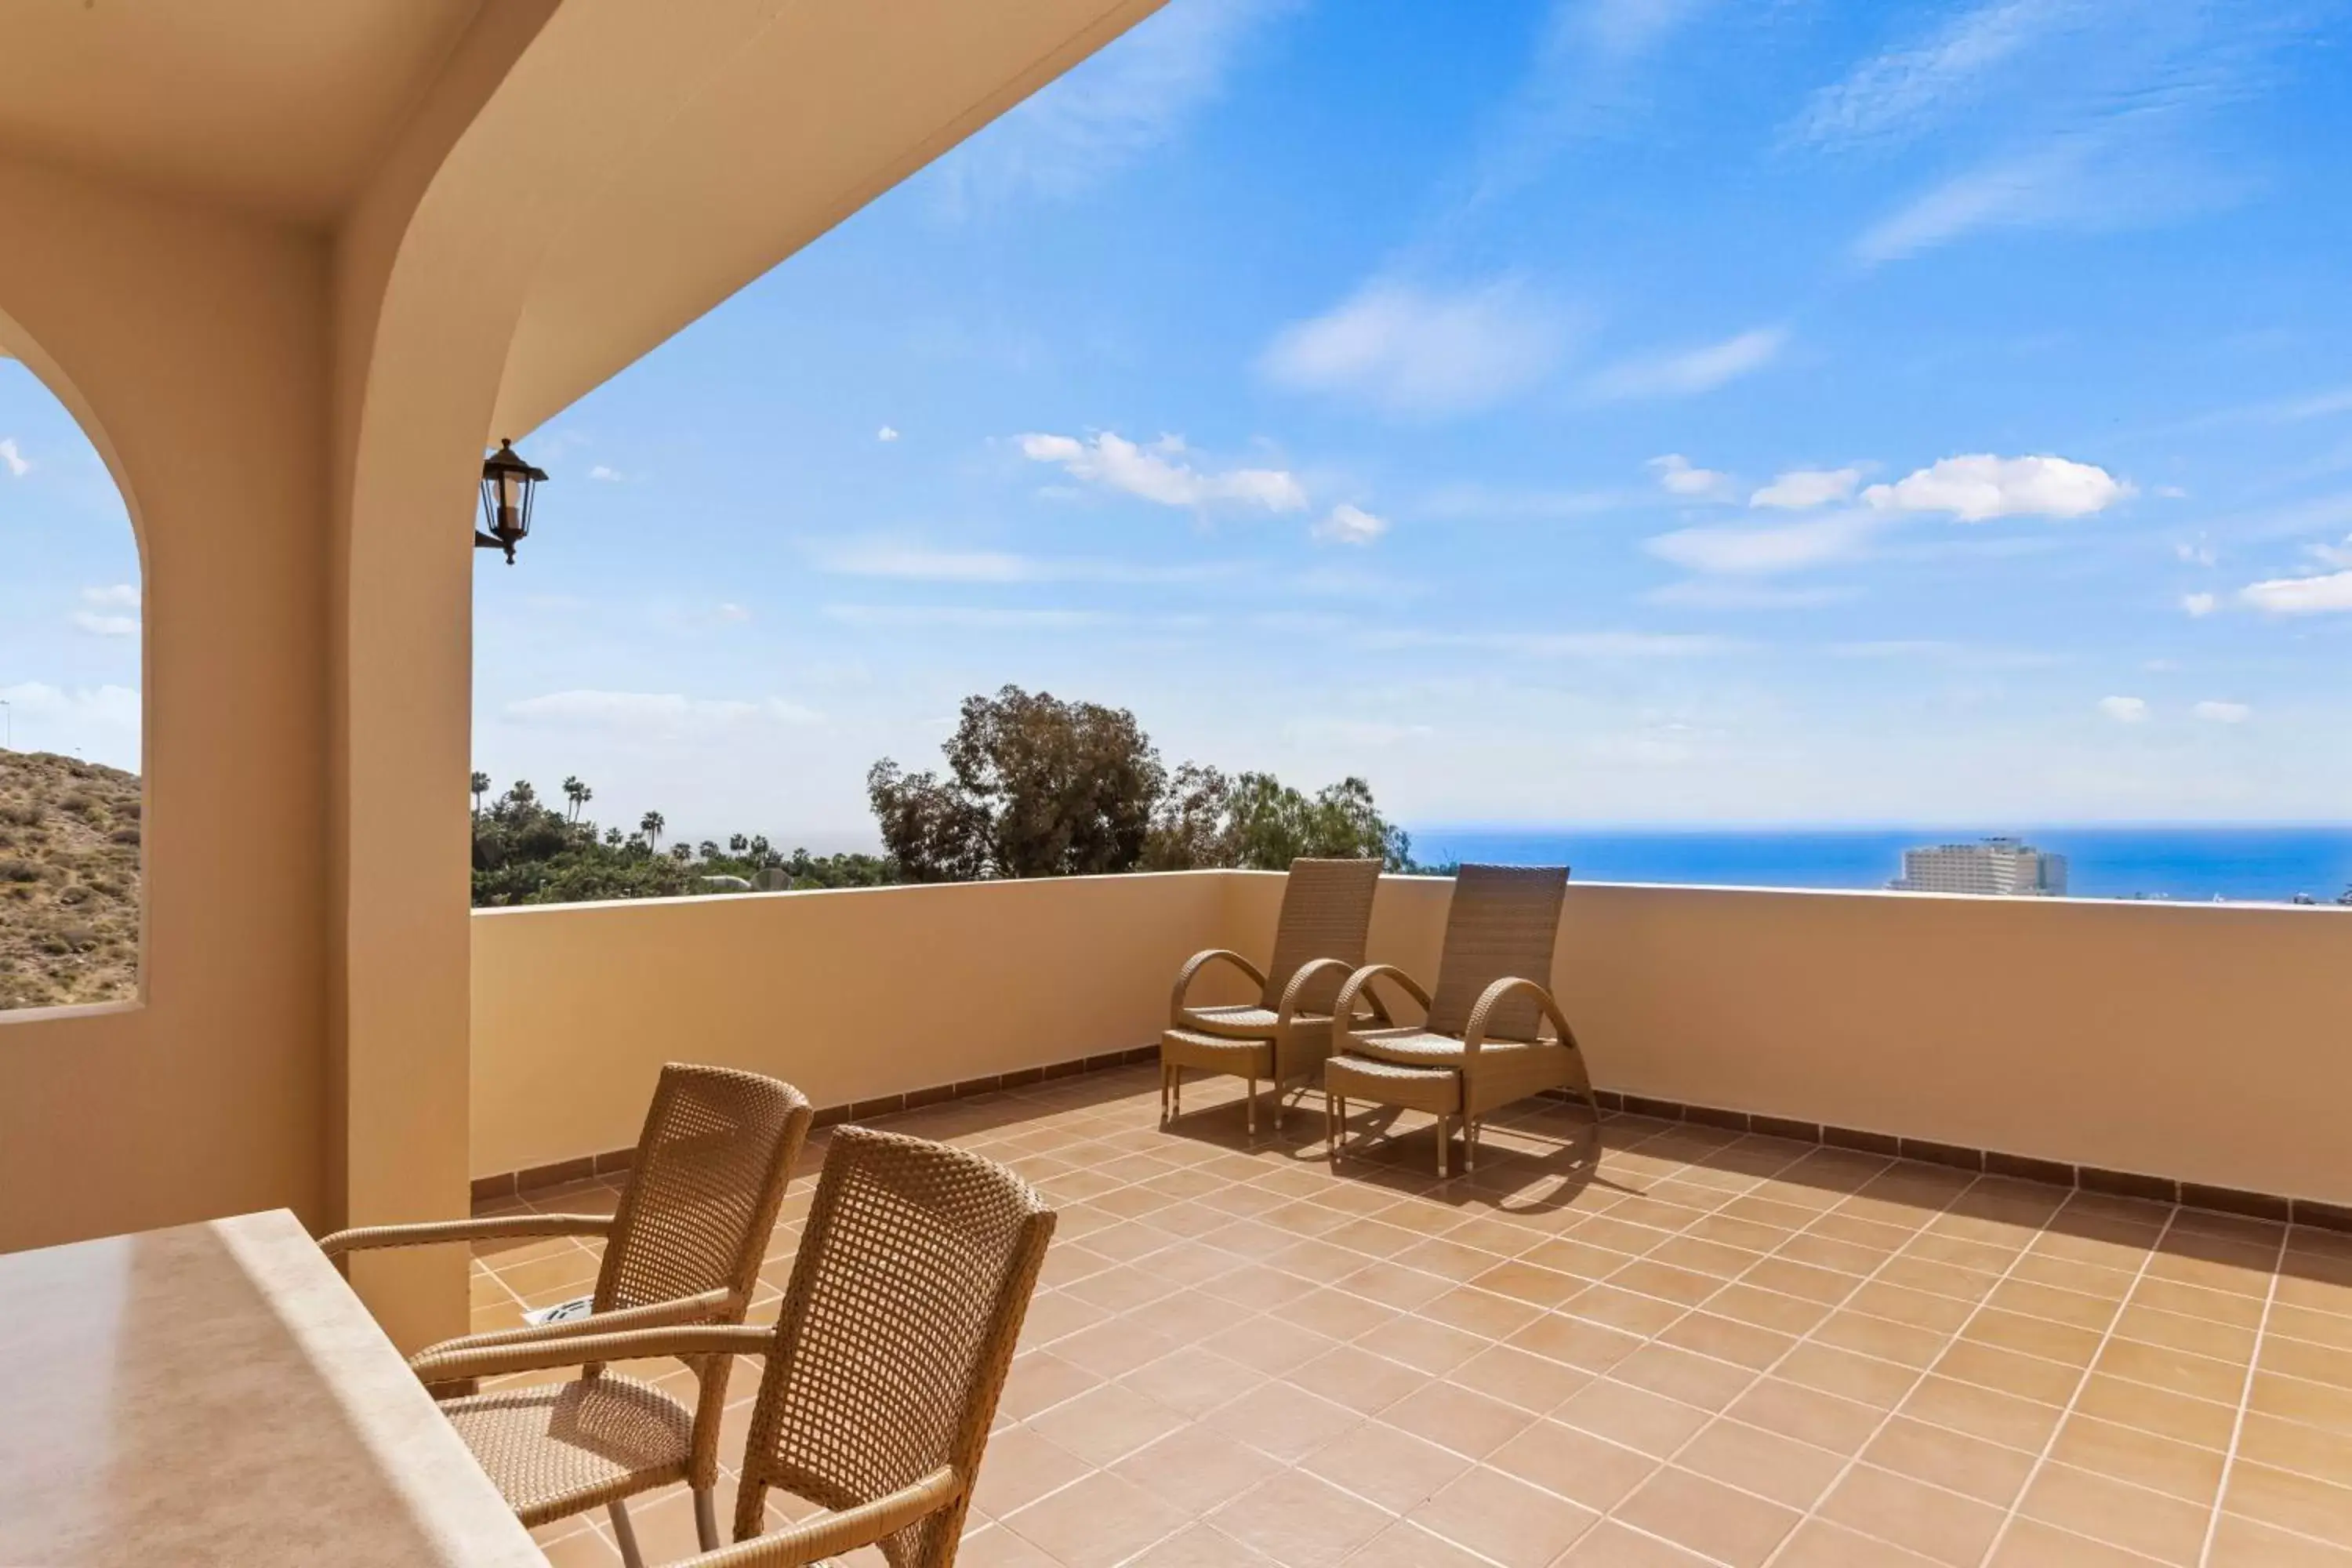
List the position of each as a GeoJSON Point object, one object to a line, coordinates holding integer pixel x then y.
{"type": "Point", "coordinates": [69, 881]}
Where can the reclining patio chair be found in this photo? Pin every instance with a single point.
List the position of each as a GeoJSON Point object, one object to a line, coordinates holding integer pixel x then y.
{"type": "Point", "coordinates": [1480, 1044]}
{"type": "Point", "coordinates": [883, 1371]}
{"type": "Point", "coordinates": [1285, 1035]}
{"type": "Point", "coordinates": [686, 1242]}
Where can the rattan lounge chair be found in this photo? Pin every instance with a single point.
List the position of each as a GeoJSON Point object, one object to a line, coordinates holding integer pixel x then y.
{"type": "Point", "coordinates": [1480, 1044]}
{"type": "Point", "coordinates": [685, 1244]}
{"type": "Point", "coordinates": [1285, 1035]}
{"type": "Point", "coordinates": [883, 1371]}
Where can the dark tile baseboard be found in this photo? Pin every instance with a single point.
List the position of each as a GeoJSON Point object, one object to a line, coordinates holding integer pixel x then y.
{"type": "Point", "coordinates": [511, 1183]}
{"type": "Point", "coordinates": [1993, 1162]}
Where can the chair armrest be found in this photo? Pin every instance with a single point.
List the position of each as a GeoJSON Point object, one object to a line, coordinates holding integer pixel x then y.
{"type": "Point", "coordinates": [684, 1341]}
{"type": "Point", "coordinates": [723, 1306]}
{"type": "Point", "coordinates": [434, 1233]}
{"type": "Point", "coordinates": [1192, 967]}
{"type": "Point", "coordinates": [830, 1535]}
{"type": "Point", "coordinates": [1495, 996]}
{"type": "Point", "coordinates": [1343, 1009]}
{"type": "Point", "coordinates": [1297, 987]}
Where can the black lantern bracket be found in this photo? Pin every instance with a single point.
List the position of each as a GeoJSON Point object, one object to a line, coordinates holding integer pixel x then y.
{"type": "Point", "coordinates": [508, 484]}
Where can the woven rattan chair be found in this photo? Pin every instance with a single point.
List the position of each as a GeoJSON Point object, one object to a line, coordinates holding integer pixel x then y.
{"type": "Point", "coordinates": [685, 1244]}
{"type": "Point", "coordinates": [1480, 1044]}
{"type": "Point", "coordinates": [883, 1371]}
{"type": "Point", "coordinates": [1285, 1035]}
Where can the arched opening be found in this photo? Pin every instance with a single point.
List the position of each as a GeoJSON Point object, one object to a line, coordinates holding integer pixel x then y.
{"type": "Point", "coordinates": [72, 804]}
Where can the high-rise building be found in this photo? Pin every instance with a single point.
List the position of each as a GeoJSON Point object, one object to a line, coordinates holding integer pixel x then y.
{"type": "Point", "coordinates": [2000, 868]}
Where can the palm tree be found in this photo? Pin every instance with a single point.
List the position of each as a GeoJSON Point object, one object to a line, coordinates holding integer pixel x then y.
{"type": "Point", "coordinates": [613, 836]}
{"type": "Point", "coordinates": [481, 787]}
{"type": "Point", "coordinates": [578, 795]}
{"type": "Point", "coordinates": [651, 826]}
{"type": "Point", "coordinates": [522, 793]}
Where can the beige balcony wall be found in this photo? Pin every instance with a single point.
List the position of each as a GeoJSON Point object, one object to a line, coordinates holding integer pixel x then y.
{"type": "Point", "coordinates": [2188, 1041]}
{"type": "Point", "coordinates": [2202, 1042]}
{"type": "Point", "coordinates": [849, 994]}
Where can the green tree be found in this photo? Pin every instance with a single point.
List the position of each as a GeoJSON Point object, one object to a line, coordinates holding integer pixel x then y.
{"type": "Point", "coordinates": [479, 786]}
{"type": "Point", "coordinates": [1035, 787]}
{"type": "Point", "coordinates": [577, 795]}
{"type": "Point", "coordinates": [651, 826]}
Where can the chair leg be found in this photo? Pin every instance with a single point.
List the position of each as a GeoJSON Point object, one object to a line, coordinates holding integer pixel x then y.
{"type": "Point", "coordinates": [1175, 1091]}
{"type": "Point", "coordinates": [706, 1519]}
{"type": "Point", "coordinates": [1163, 1094]}
{"type": "Point", "coordinates": [1250, 1115]}
{"type": "Point", "coordinates": [1441, 1147]}
{"type": "Point", "coordinates": [1469, 1145]}
{"type": "Point", "coordinates": [1335, 1117]}
{"type": "Point", "coordinates": [624, 1534]}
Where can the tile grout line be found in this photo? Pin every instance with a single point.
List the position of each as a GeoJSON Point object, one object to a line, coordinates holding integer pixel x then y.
{"type": "Point", "coordinates": [2245, 1396]}
{"type": "Point", "coordinates": [2106, 1337]}
{"type": "Point", "coordinates": [1922, 1376]}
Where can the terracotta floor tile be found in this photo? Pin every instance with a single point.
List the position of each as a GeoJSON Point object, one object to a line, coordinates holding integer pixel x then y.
{"type": "Point", "coordinates": [1610, 1545]}
{"type": "Point", "coordinates": [1817, 1543]}
{"type": "Point", "coordinates": [1385, 1465]}
{"type": "Point", "coordinates": [1684, 1376]}
{"type": "Point", "coordinates": [1912, 1514]}
{"type": "Point", "coordinates": [1422, 1343]}
{"type": "Point", "coordinates": [1614, 1307]}
{"type": "Point", "coordinates": [1299, 1520]}
{"type": "Point", "coordinates": [1020, 1466]}
{"type": "Point", "coordinates": [1407, 1545]}
{"type": "Point", "coordinates": [1095, 1523]}
{"type": "Point", "coordinates": [1853, 1329]}
{"type": "Point", "coordinates": [2304, 1504]}
{"type": "Point", "coordinates": [2009, 1371]}
{"type": "Point", "coordinates": [1633, 1417]}
{"type": "Point", "coordinates": [1693, 1511]}
{"type": "Point", "coordinates": [2240, 1542]}
{"type": "Point", "coordinates": [2030, 1543]}
{"type": "Point", "coordinates": [1193, 1380]}
{"type": "Point", "coordinates": [2292, 1446]}
{"type": "Point", "coordinates": [1810, 1416]}
{"type": "Point", "coordinates": [1503, 1518]}
{"type": "Point", "coordinates": [1787, 1471]}
{"type": "Point", "coordinates": [1283, 1419]}
{"type": "Point", "coordinates": [2104, 1509]}
{"type": "Point", "coordinates": [1863, 1379]}
{"type": "Point", "coordinates": [1201, 1546]}
{"type": "Point", "coordinates": [1359, 1379]}
{"type": "Point", "coordinates": [1984, 1412]}
{"type": "Point", "coordinates": [2180, 1470]}
{"type": "Point", "coordinates": [1953, 1461]}
{"type": "Point", "coordinates": [1574, 1463]}
{"type": "Point", "coordinates": [1105, 1424]}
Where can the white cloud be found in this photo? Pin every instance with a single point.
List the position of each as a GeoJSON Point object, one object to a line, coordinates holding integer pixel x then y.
{"type": "Point", "coordinates": [2125, 710]}
{"type": "Point", "coordinates": [1686, 372]}
{"type": "Point", "coordinates": [2325, 594]}
{"type": "Point", "coordinates": [1348, 524]}
{"type": "Point", "coordinates": [1900, 91]}
{"type": "Point", "coordinates": [113, 596]}
{"type": "Point", "coordinates": [733, 614]}
{"type": "Point", "coordinates": [1748, 551]}
{"type": "Point", "coordinates": [1980, 487]}
{"type": "Point", "coordinates": [2196, 554]}
{"type": "Point", "coordinates": [2199, 605]}
{"type": "Point", "coordinates": [1410, 351]}
{"type": "Point", "coordinates": [887, 433]}
{"type": "Point", "coordinates": [2222, 712]}
{"type": "Point", "coordinates": [101, 722]}
{"type": "Point", "coordinates": [652, 712]}
{"type": "Point", "coordinates": [1116, 463]}
{"type": "Point", "coordinates": [603, 474]}
{"type": "Point", "coordinates": [16, 463]}
{"type": "Point", "coordinates": [1133, 97]}
{"type": "Point", "coordinates": [99, 625]}
{"type": "Point", "coordinates": [1678, 477]}
{"type": "Point", "coordinates": [1799, 488]}
{"type": "Point", "coordinates": [1471, 500]}
{"type": "Point", "coordinates": [1625, 29]}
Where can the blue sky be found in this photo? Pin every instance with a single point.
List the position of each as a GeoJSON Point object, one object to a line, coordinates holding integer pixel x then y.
{"type": "Point", "coordinates": [1606, 411]}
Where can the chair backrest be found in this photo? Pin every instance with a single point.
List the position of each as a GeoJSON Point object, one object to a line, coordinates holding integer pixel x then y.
{"type": "Point", "coordinates": [701, 1199]}
{"type": "Point", "coordinates": [1503, 922]}
{"type": "Point", "coordinates": [914, 1273]}
{"type": "Point", "coordinates": [1327, 907]}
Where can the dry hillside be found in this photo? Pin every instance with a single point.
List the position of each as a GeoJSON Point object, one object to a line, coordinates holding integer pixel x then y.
{"type": "Point", "coordinates": [69, 881]}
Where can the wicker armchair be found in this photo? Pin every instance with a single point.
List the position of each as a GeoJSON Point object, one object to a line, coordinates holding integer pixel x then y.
{"type": "Point", "coordinates": [883, 1372]}
{"type": "Point", "coordinates": [685, 1244]}
{"type": "Point", "coordinates": [1283, 1036]}
{"type": "Point", "coordinates": [1480, 1044]}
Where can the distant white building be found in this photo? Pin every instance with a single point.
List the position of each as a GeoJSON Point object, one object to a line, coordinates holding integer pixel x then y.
{"type": "Point", "coordinates": [1999, 867]}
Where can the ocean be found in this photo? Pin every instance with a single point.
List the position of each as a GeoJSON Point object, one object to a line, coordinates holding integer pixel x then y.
{"type": "Point", "coordinates": [2192, 863]}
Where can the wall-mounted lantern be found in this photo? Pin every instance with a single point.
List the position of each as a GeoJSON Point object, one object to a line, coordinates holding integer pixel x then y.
{"type": "Point", "coordinates": [508, 483]}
